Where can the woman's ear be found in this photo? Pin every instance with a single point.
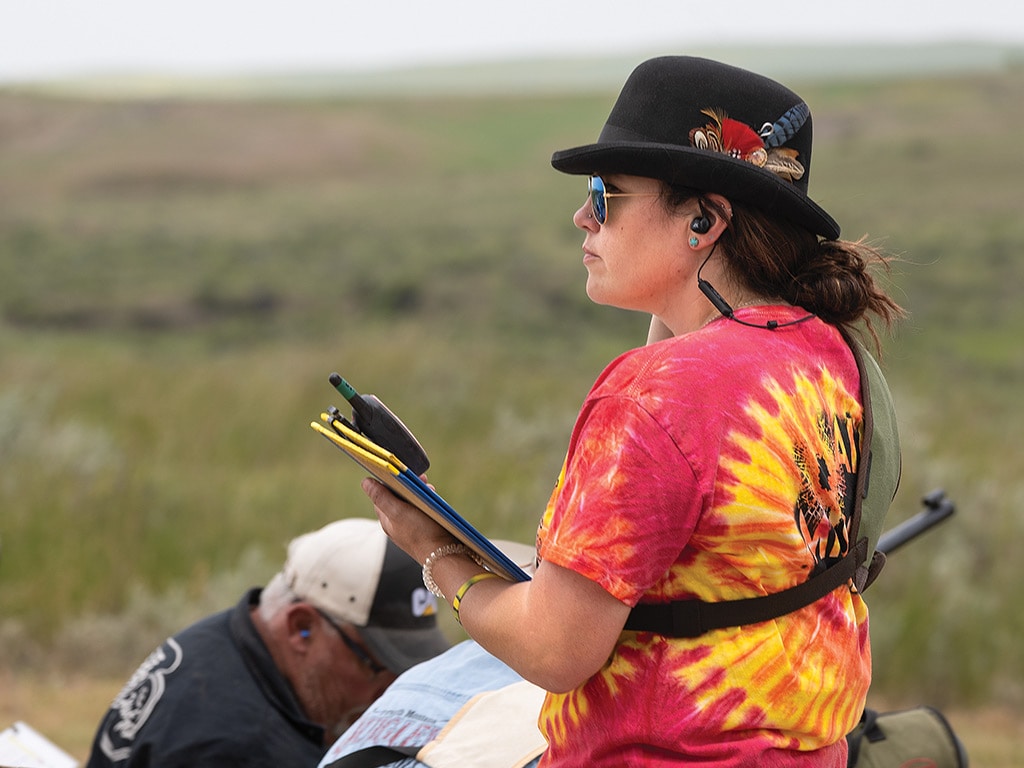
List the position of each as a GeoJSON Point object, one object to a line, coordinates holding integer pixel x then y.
{"type": "Point", "coordinates": [718, 210]}
{"type": "Point", "coordinates": [711, 220]}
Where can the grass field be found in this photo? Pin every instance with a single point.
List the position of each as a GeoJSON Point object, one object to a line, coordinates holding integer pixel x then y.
{"type": "Point", "coordinates": [179, 276]}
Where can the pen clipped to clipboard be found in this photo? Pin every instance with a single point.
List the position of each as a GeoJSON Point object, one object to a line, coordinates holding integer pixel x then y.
{"type": "Point", "coordinates": [380, 443]}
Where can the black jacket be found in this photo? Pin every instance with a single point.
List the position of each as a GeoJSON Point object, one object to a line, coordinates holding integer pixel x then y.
{"type": "Point", "coordinates": [209, 696]}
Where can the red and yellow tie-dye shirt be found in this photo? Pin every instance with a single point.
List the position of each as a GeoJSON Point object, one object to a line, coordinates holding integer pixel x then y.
{"type": "Point", "coordinates": [717, 465]}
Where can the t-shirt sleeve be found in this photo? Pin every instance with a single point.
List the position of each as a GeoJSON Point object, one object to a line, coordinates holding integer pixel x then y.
{"type": "Point", "coordinates": [628, 503]}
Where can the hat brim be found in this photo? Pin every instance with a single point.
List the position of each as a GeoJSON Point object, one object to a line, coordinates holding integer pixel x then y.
{"type": "Point", "coordinates": [400, 649]}
{"type": "Point", "coordinates": [703, 170]}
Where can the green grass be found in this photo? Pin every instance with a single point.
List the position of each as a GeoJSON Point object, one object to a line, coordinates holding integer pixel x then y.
{"type": "Point", "coordinates": [177, 279]}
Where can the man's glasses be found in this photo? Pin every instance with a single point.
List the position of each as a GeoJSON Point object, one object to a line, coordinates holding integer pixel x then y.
{"type": "Point", "coordinates": [599, 194]}
{"type": "Point", "coordinates": [364, 658]}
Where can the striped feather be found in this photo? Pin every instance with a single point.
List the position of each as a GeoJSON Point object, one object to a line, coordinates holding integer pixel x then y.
{"type": "Point", "coordinates": [785, 128]}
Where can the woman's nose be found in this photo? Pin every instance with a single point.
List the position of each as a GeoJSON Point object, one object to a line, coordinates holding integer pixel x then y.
{"type": "Point", "coordinates": [584, 216]}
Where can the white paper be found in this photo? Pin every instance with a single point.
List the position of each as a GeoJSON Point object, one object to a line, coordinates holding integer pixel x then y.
{"type": "Point", "coordinates": [21, 746]}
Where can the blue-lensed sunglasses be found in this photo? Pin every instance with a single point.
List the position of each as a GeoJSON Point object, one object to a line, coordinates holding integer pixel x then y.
{"type": "Point", "coordinates": [599, 194]}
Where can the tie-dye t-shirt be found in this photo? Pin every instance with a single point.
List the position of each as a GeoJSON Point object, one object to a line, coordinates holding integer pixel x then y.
{"type": "Point", "coordinates": [717, 465]}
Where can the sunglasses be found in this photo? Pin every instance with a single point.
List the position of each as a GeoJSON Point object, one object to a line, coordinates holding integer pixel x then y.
{"type": "Point", "coordinates": [360, 653]}
{"type": "Point", "coordinates": [598, 192]}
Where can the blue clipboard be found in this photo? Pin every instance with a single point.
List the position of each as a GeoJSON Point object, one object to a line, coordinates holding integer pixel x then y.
{"type": "Point", "coordinates": [387, 468]}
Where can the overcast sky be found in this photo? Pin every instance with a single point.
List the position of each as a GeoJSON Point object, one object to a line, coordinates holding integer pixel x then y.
{"type": "Point", "coordinates": [57, 38]}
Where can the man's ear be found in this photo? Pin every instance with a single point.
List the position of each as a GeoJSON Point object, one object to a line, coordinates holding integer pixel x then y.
{"type": "Point", "coordinates": [301, 621]}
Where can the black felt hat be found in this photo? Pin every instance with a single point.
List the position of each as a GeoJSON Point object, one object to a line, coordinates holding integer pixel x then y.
{"type": "Point", "coordinates": [713, 127]}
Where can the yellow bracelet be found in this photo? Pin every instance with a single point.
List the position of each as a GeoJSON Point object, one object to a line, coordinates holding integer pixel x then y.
{"type": "Point", "coordinates": [461, 593]}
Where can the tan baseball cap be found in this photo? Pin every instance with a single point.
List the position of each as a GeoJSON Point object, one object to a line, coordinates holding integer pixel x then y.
{"type": "Point", "coordinates": [351, 571]}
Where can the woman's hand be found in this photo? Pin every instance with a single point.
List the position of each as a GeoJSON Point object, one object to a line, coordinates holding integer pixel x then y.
{"type": "Point", "coordinates": [410, 528]}
{"type": "Point", "coordinates": [556, 630]}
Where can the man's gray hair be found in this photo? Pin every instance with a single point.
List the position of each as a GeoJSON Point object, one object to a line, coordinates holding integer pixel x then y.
{"type": "Point", "coordinates": [276, 596]}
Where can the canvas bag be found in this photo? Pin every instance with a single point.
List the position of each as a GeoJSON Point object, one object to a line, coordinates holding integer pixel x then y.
{"type": "Point", "coordinates": [486, 733]}
{"type": "Point", "coordinates": [920, 737]}
{"type": "Point", "coordinates": [494, 729]}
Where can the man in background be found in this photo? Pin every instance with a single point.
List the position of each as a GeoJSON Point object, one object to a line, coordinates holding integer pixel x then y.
{"type": "Point", "coordinates": [274, 680]}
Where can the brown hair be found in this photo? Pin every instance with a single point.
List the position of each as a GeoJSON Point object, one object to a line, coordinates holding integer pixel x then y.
{"type": "Point", "coordinates": [776, 258]}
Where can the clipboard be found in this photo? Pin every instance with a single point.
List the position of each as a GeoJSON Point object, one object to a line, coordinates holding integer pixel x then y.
{"type": "Point", "coordinates": [405, 484]}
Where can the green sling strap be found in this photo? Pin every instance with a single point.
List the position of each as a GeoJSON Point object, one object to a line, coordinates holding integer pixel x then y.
{"type": "Point", "coordinates": [876, 487]}
{"type": "Point", "coordinates": [878, 476]}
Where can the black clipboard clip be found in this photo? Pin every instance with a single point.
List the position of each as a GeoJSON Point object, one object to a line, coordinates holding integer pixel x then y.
{"type": "Point", "coordinates": [374, 420]}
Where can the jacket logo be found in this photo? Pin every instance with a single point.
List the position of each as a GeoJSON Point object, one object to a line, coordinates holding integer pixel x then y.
{"type": "Point", "coordinates": [137, 700]}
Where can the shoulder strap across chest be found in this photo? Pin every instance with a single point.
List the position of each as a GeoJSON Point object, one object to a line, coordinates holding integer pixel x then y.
{"type": "Point", "coordinates": [877, 480]}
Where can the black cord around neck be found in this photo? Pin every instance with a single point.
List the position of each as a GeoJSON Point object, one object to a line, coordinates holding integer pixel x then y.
{"type": "Point", "coordinates": [727, 311]}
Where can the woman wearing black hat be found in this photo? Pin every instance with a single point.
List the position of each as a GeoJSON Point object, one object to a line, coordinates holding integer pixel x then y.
{"type": "Point", "coordinates": [716, 464]}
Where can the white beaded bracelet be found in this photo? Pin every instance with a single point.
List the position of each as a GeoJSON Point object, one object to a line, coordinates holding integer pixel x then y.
{"type": "Point", "coordinates": [454, 548]}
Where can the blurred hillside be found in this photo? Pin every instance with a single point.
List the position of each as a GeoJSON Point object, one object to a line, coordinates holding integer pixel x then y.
{"type": "Point", "coordinates": [576, 75]}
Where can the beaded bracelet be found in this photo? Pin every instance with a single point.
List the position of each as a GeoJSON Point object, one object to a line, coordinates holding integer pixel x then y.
{"type": "Point", "coordinates": [461, 593]}
{"type": "Point", "coordinates": [454, 548]}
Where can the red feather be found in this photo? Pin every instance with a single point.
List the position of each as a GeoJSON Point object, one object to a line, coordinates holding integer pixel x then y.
{"type": "Point", "coordinates": [739, 138]}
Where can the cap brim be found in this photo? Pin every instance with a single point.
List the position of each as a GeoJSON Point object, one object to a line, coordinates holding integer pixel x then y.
{"type": "Point", "coordinates": [523, 555]}
{"type": "Point", "coordinates": [400, 649]}
{"type": "Point", "coordinates": [675, 164]}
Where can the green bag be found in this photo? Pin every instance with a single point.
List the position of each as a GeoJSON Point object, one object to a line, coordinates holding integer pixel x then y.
{"type": "Point", "coordinates": [909, 738]}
